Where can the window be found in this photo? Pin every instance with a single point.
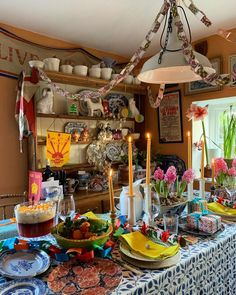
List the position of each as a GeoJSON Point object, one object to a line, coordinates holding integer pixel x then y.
{"type": "Point", "coordinates": [214, 130]}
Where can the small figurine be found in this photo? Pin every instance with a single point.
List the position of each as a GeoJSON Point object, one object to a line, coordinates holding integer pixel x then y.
{"type": "Point", "coordinates": [45, 103]}
{"type": "Point", "coordinates": [75, 136]}
{"type": "Point", "coordinates": [133, 109]}
{"type": "Point", "coordinates": [94, 106]}
{"type": "Point", "coordinates": [105, 105]}
{"type": "Point", "coordinates": [85, 135]}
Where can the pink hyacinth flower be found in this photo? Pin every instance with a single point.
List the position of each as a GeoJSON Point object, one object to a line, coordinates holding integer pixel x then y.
{"type": "Point", "coordinates": [159, 174]}
{"type": "Point", "coordinates": [170, 176]}
{"type": "Point", "coordinates": [188, 176]}
{"type": "Point", "coordinates": [232, 172]}
{"type": "Point", "coordinates": [220, 166]}
{"type": "Point", "coordinates": [234, 163]}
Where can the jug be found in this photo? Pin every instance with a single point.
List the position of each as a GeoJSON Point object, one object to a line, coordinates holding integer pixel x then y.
{"type": "Point", "coordinates": [138, 199]}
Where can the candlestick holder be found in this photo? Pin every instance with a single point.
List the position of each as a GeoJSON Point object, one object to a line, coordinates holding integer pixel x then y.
{"type": "Point", "coordinates": [131, 210]}
{"type": "Point", "coordinates": [113, 220]}
{"type": "Point", "coordinates": [147, 217]}
{"type": "Point", "coordinates": [202, 187]}
{"type": "Point", "coordinates": [190, 191]}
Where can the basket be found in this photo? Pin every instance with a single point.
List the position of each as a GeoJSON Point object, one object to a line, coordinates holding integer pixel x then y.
{"type": "Point", "coordinates": [85, 243]}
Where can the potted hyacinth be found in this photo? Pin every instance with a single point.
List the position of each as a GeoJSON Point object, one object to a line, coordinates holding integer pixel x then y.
{"type": "Point", "coordinates": [169, 187]}
{"type": "Point", "coordinates": [197, 113]}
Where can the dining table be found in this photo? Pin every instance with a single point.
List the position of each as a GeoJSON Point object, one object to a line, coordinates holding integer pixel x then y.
{"type": "Point", "coordinates": [207, 267]}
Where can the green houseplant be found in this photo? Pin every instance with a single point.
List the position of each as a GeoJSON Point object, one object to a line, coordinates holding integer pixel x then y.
{"type": "Point", "coordinates": [228, 121]}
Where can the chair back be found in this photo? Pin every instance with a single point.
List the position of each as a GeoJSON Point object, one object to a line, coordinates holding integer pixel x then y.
{"type": "Point", "coordinates": [8, 202]}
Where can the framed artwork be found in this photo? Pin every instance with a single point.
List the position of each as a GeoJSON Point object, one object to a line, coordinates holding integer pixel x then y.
{"type": "Point", "coordinates": [232, 69]}
{"type": "Point", "coordinates": [201, 86]}
{"type": "Point", "coordinates": [170, 118]}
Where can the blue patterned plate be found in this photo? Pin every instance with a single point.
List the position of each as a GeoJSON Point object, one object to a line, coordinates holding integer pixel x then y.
{"type": "Point", "coordinates": [23, 264]}
{"type": "Point", "coordinates": [24, 287]}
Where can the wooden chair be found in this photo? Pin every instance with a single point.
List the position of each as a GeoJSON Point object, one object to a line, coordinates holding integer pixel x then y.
{"type": "Point", "coordinates": [8, 202]}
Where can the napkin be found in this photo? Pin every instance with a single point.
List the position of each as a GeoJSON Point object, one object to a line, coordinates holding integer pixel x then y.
{"type": "Point", "coordinates": [140, 244]}
{"type": "Point", "coordinates": [218, 208]}
{"type": "Point", "coordinates": [90, 215]}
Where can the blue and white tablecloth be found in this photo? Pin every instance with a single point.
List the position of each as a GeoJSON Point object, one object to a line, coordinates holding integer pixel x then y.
{"type": "Point", "coordinates": [206, 268]}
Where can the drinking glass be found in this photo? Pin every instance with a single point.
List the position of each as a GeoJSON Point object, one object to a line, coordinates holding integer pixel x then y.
{"type": "Point", "coordinates": [155, 207]}
{"type": "Point", "coordinates": [171, 223]}
{"type": "Point", "coordinates": [66, 207]}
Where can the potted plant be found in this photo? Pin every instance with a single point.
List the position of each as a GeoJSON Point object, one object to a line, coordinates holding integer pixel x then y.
{"type": "Point", "coordinates": [170, 187]}
{"type": "Point", "coordinates": [228, 121]}
{"type": "Point", "coordinates": [198, 113]}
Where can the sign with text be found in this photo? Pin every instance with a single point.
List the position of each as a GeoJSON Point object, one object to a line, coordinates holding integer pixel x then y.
{"type": "Point", "coordinates": [15, 54]}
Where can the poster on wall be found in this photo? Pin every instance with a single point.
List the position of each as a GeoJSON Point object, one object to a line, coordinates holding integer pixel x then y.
{"type": "Point", "coordinates": [58, 148]}
{"type": "Point", "coordinates": [170, 118]}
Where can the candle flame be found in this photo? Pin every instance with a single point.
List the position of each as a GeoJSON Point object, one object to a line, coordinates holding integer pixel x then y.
{"type": "Point", "coordinates": [129, 139]}
{"type": "Point", "coordinates": [188, 133]}
{"type": "Point", "coordinates": [110, 172]}
{"type": "Point", "coordinates": [148, 135]}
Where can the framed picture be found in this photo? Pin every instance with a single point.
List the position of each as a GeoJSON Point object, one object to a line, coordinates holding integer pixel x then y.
{"type": "Point", "coordinates": [232, 69]}
{"type": "Point", "coordinates": [201, 86]}
{"type": "Point", "coordinates": [170, 118]}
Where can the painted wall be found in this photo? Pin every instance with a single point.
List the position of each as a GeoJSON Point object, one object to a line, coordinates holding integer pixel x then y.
{"type": "Point", "coordinates": [13, 173]}
{"type": "Point", "coordinates": [216, 47]}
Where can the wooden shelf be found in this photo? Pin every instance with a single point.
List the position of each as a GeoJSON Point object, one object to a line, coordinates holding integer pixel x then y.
{"type": "Point", "coordinates": [72, 167]}
{"type": "Point", "coordinates": [59, 77]}
{"type": "Point", "coordinates": [72, 142]}
{"type": "Point", "coordinates": [77, 117]}
{"type": "Point", "coordinates": [83, 194]}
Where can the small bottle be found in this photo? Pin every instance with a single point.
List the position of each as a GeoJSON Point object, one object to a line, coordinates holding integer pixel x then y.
{"type": "Point", "coordinates": [47, 173]}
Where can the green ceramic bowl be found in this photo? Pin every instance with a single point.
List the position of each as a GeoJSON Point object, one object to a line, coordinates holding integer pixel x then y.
{"type": "Point", "coordinates": [85, 243]}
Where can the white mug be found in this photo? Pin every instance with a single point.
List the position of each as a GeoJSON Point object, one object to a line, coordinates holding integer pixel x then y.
{"type": "Point", "coordinates": [67, 69]}
{"type": "Point", "coordinates": [106, 73]}
{"type": "Point", "coordinates": [51, 64]}
{"type": "Point", "coordinates": [95, 72]}
{"type": "Point", "coordinates": [81, 70]}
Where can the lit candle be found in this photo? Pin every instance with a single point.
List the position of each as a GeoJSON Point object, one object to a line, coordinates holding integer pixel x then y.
{"type": "Point", "coordinates": [111, 191]}
{"type": "Point", "coordinates": [131, 192]}
{"type": "Point", "coordinates": [213, 171]}
{"type": "Point", "coordinates": [202, 159]}
{"type": "Point", "coordinates": [148, 163]}
{"type": "Point", "coordinates": [189, 150]}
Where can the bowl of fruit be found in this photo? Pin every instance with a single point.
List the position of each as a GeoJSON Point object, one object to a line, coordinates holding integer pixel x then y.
{"type": "Point", "coordinates": [82, 232]}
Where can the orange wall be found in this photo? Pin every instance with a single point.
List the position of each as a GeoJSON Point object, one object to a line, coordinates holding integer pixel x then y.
{"type": "Point", "coordinates": [13, 175]}
{"type": "Point", "coordinates": [216, 47]}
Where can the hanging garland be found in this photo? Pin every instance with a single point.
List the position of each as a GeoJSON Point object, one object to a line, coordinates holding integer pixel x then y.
{"type": "Point", "coordinates": [213, 79]}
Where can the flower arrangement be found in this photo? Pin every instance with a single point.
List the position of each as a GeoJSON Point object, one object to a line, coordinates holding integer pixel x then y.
{"type": "Point", "coordinates": [198, 113]}
{"type": "Point", "coordinates": [225, 176]}
{"type": "Point", "coordinates": [164, 184]}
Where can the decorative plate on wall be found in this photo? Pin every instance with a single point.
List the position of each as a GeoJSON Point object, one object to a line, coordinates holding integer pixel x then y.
{"type": "Point", "coordinates": [117, 102]}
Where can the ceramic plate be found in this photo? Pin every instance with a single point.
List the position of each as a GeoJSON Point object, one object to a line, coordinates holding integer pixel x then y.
{"type": "Point", "coordinates": [116, 102]}
{"type": "Point", "coordinates": [23, 264]}
{"type": "Point", "coordinates": [71, 127]}
{"type": "Point", "coordinates": [100, 276]}
{"type": "Point", "coordinates": [196, 232]}
{"type": "Point", "coordinates": [24, 287]}
{"type": "Point", "coordinates": [113, 151]}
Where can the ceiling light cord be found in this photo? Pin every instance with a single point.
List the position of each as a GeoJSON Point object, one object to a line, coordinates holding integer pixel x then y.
{"type": "Point", "coordinates": [169, 30]}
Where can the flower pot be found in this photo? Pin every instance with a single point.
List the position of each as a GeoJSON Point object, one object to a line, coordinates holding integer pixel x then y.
{"type": "Point", "coordinates": [207, 172]}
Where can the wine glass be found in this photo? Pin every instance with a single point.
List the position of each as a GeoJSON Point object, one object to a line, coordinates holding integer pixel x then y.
{"type": "Point", "coordinates": [231, 190]}
{"type": "Point", "coordinates": [155, 207]}
{"type": "Point", "coordinates": [66, 207]}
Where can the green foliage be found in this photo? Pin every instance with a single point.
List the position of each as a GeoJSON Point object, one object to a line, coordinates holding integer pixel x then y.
{"type": "Point", "coordinates": [228, 121]}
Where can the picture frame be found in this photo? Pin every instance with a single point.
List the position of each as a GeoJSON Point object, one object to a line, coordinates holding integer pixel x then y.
{"type": "Point", "coordinates": [232, 69]}
{"type": "Point", "coordinates": [197, 87]}
{"type": "Point", "coordinates": [170, 126]}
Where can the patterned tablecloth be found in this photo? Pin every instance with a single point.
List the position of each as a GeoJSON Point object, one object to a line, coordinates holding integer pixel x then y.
{"type": "Point", "coordinates": [206, 268]}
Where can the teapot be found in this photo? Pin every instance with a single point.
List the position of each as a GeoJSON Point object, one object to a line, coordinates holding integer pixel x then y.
{"type": "Point", "coordinates": [138, 199]}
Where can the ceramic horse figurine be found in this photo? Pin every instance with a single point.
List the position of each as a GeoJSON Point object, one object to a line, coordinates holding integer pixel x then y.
{"type": "Point", "coordinates": [94, 106]}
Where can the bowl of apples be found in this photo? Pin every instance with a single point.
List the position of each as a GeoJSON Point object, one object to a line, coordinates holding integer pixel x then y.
{"type": "Point", "coordinates": [82, 232]}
